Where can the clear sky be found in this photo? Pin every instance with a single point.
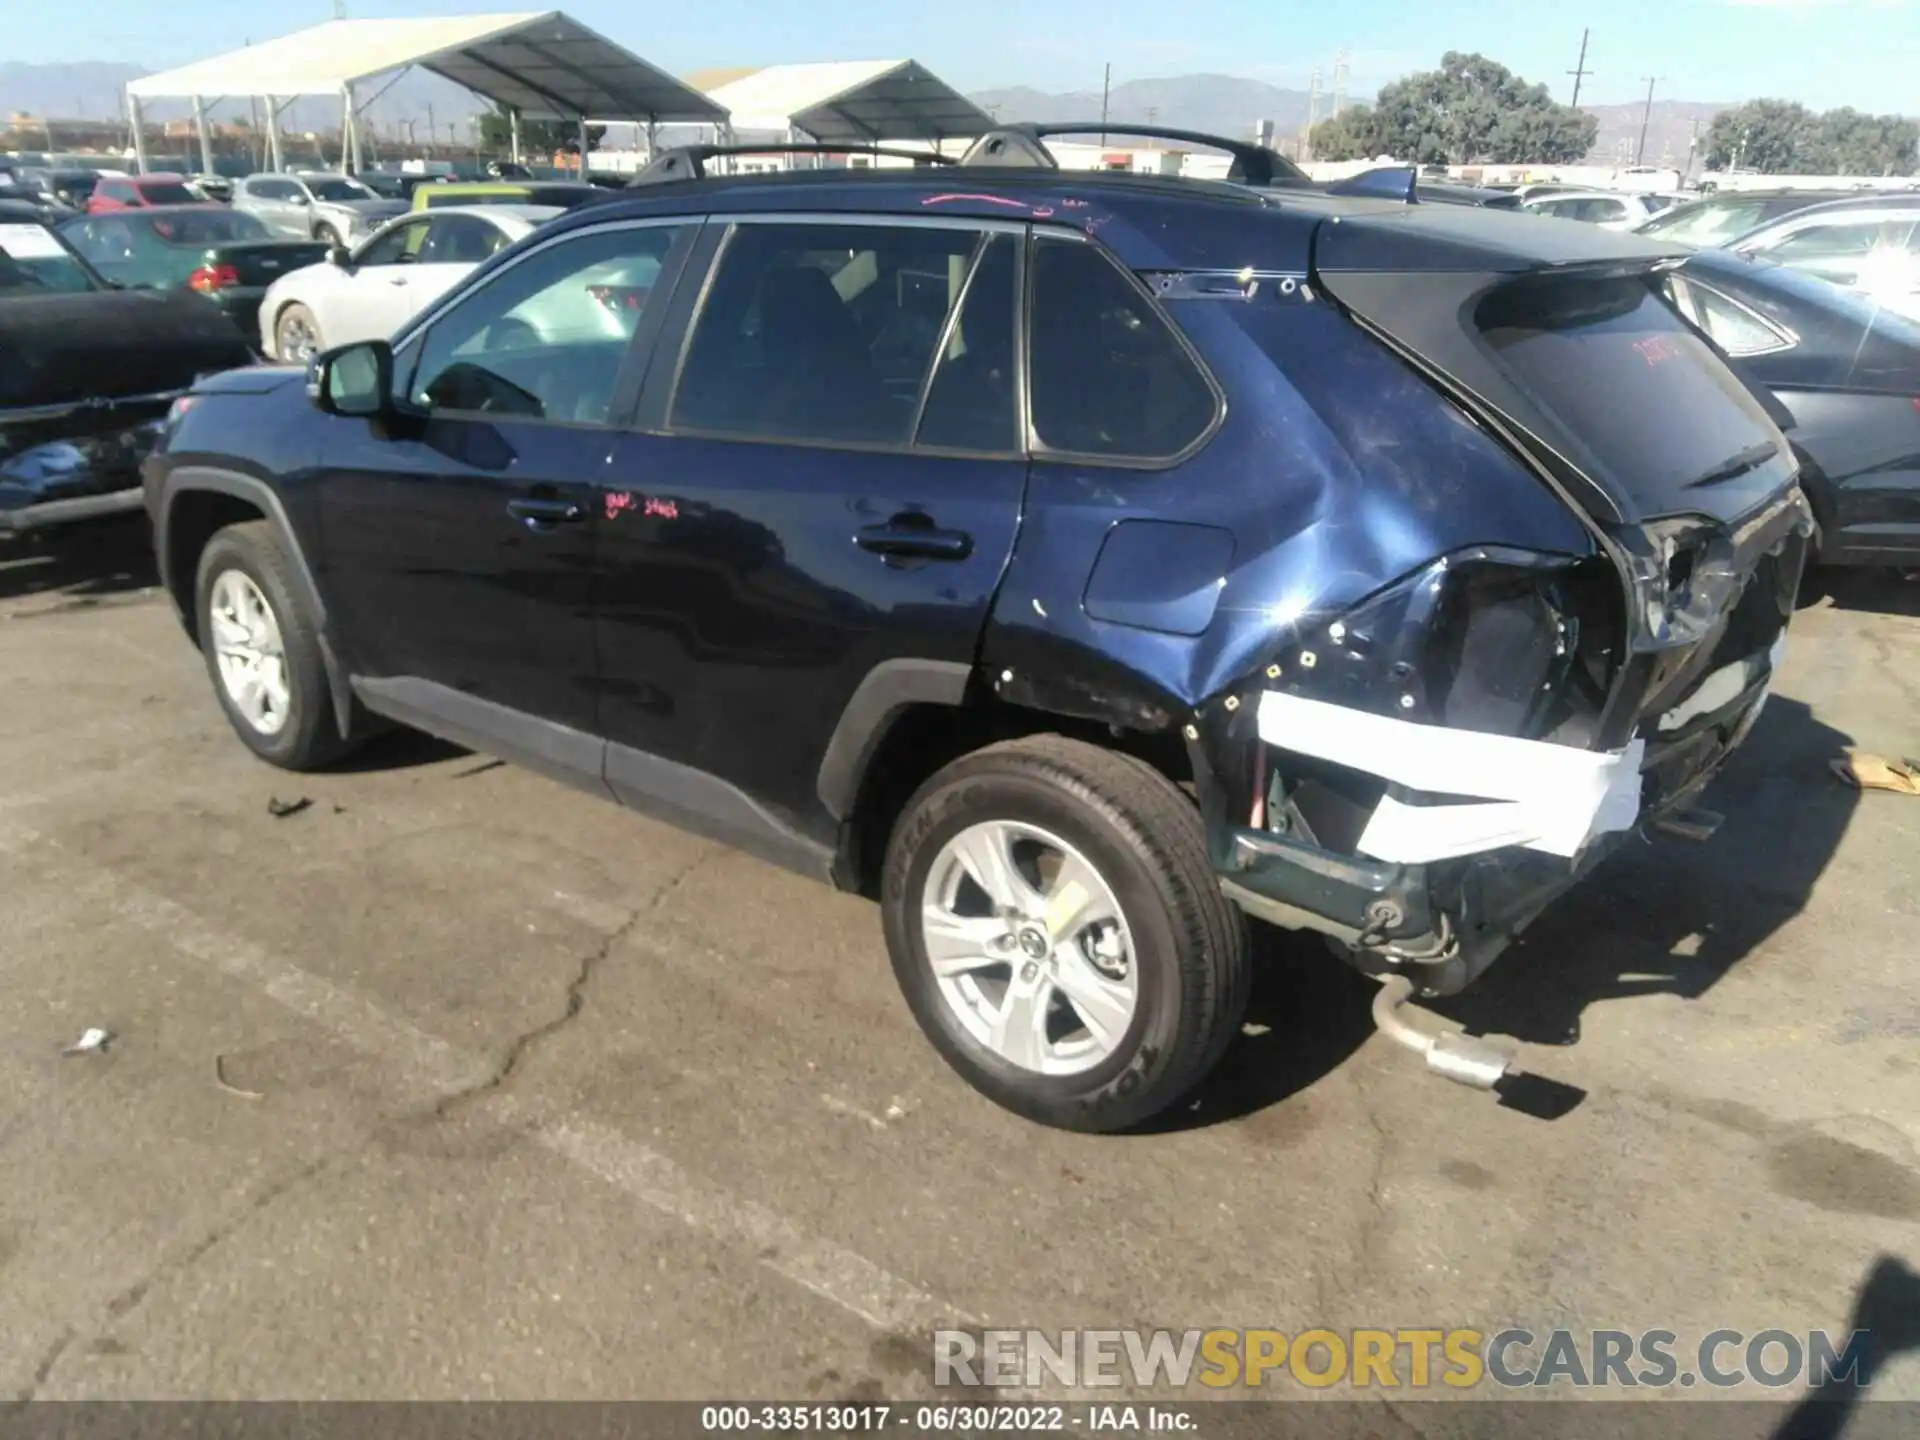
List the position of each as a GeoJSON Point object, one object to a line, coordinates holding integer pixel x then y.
{"type": "Point", "coordinates": [1864, 53]}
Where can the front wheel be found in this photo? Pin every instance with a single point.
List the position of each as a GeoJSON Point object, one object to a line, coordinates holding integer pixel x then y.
{"type": "Point", "coordinates": [1055, 925]}
{"type": "Point", "coordinates": [262, 651]}
{"type": "Point", "coordinates": [296, 334]}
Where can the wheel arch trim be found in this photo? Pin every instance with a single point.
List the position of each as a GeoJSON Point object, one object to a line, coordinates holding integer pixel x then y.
{"type": "Point", "coordinates": [886, 690]}
{"type": "Point", "coordinates": [210, 479]}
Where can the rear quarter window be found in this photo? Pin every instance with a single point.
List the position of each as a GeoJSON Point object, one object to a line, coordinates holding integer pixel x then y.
{"type": "Point", "coordinates": [1110, 377]}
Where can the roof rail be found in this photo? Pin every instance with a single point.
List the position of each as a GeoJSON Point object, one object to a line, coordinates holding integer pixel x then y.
{"type": "Point", "coordinates": [689, 162]}
{"type": "Point", "coordinates": [1383, 182]}
{"type": "Point", "coordinates": [1022, 146]}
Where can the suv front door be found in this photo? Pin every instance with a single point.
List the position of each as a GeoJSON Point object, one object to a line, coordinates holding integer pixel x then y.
{"type": "Point", "coordinates": [459, 537]}
{"type": "Point", "coordinates": [816, 504]}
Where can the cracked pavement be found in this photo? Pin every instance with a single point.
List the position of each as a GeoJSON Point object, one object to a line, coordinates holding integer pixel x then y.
{"type": "Point", "coordinates": [458, 1083]}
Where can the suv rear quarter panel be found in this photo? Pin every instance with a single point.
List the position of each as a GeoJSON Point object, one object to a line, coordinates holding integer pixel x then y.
{"type": "Point", "coordinates": [1335, 472]}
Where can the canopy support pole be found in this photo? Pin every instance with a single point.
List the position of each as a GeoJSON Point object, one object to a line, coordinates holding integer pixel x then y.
{"type": "Point", "coordinates": [583, 147]}
{"type": "Point", "coordinates": [513, 133]}
{"type": "Point", "coordinates": [200, 129]}
{"type": "Point", "coordinates": [139, 136]}
{"type": "Point", "coordinates": [274, 161]}
{"type": "Point", "coordinates": [350, 132]}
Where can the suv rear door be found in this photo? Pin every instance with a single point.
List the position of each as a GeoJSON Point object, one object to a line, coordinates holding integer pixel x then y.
{"type": "Point", "coordinates": [817, 504]}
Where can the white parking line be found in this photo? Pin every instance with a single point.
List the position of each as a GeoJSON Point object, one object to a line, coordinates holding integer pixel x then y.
{"type": "Point", "coordinates": [429, 1064]}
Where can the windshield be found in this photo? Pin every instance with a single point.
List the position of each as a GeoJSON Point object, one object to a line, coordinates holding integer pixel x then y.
{"type": "Point", "coordinates": [198, 228]}
{"type": "Point", "coordinates": [340, 190]}
{"type": "Point", "coordinates": [1634, 385]}
{"type": "Point", "coordinates": [33, 261]}
{"type": "Point", "coordinates": [168, 192]}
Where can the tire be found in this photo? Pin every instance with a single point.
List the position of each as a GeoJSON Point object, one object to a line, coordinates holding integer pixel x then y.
{"type": "Point", "coordinates": [1144, 841]}
{"type": "Point", "coordinates": [327, 235]}
{"type": "Point", "coordinates": [294, 322]}
{"type": "Point", "coordinates": [306, 735]}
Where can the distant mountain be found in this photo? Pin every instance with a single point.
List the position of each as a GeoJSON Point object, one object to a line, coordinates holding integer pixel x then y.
{"type": "Point", "coordinates": [1218, 104]}
{"type": "Point", "coordinates": [1669, 128]}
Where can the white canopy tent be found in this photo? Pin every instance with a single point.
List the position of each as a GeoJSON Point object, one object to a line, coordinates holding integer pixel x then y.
{"type": "Point", "coordinates": [849, 102]}
{"type": "Point", "coordinates": [540, 64]}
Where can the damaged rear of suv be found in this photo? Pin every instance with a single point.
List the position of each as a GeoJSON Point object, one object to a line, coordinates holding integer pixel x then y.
{"type": "Point", "coordinates": [1079, 564]}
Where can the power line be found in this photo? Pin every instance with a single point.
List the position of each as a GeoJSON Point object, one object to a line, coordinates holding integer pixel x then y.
{"type": "Point", "coordinates": [1580, 71]}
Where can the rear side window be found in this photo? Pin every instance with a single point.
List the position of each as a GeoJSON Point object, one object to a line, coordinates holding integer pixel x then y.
{"type": "Point", "coordinates": [460, 240]}
{"type": "Point", "coordinates": [1612, 361]}
{"type": "Point", "coordinates": [1109, 375]}
{"type": "Point", "coordinates": [823, 333]}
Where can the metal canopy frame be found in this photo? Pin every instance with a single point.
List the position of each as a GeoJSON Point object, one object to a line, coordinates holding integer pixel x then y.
{"type": "Point", "coordinates": [537, 64]}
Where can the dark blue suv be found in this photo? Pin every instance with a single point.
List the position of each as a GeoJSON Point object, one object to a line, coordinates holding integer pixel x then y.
{"type": "Point", "coordinates": [1077, 563]}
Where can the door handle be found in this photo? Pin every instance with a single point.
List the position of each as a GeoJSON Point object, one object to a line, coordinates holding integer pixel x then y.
{"type": "Point", "coordinates": [912, 535]}
{"type": "Point", "coordinates": [537, 513]}
{"type": "Point", "coordinates": [398, 280]}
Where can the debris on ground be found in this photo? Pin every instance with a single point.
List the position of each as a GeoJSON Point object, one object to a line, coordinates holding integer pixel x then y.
{"type": "Point", "coordinates": [220, 1079]}
{"type": "Point", "coordinates": [91, 1039]}
{"type": "Point", "coordinates": [280, 809]}
{"type": "Point", "coordinates": [1875, 772]}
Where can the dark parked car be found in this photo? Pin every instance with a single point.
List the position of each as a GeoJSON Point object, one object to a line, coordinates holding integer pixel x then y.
{"type": "Point", "coordinates": [28, 197]}
{"type": "Point", "coordinates": [229, 257]}
{"type": "Point", "coordinates": [1848, 374]}
{"type": "Point", "coordinates": [71, 188]}
{"type": "Point", "coordinates": [87, 374]}
{"type": "Point", "coordinates": [1724, 216]}
{"type": "Point", "coordinates": [392, 185]}
{"type": "Point", "coordinates": [1080, 563]}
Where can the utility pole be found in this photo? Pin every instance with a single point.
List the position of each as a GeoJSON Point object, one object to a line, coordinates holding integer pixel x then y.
{"type": "Point", "coordinates": [1646, 119]}
{"type": "Point", "coordinates": [1580, 71]}
{"type": "Point", "coordinates": [1106, 93]}
{"type": "Point", "coordinates": [431, 132]}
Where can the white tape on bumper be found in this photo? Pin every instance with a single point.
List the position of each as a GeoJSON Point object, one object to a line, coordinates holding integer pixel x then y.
{"type": "Point", "coordinates": [1551, 798]}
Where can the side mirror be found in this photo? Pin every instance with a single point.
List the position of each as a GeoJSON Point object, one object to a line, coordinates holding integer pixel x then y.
{"type": "Point", "coordinates": [339, 255]}
{"type": "Point", "coordinates": [300, 200]}
{"type": "Point", "coordinates": [355, 380]}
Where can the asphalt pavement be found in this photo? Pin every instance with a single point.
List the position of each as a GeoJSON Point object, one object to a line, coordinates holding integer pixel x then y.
{"type": "Point", "coordinates": [453, 1082]}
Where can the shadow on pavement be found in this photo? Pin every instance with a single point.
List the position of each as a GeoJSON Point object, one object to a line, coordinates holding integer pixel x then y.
{"type": "Point", "coordinates": [84, 563]}
{"type": "Point", "coordinates": [1877, 589]}
{"type": "Point", "coordinates": [1669, 916]}
{"type": "Point", "coordinates": [1886, 1315]}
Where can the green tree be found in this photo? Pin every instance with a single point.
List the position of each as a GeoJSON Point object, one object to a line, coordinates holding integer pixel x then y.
{"type": "Point", "coordinates": [1470, 110]}
{"type": "Point", "coordinates": [1779, 137]}
{"type": "Point", "coordinates": [1353, 134]}
{"type": "Point", "coordinates": [537, 137]}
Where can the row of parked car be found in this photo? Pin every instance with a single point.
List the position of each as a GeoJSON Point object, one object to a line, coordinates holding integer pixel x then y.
{"type": "Point", "coordinates": [1079, 563]}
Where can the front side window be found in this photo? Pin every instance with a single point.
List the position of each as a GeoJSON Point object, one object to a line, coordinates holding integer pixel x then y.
{"type": "Point", "coordinates": [339, 190]}
{"type": "Point", "coordinates": [544, 339]}
{"type": "Point", "coordinates": [1109, 376]}
{"type": "Point", "coordinates": [1874, 254]}
{"type": "Point", "coordinates": [398, 246]}
{"type": "Point", "coordinates": [822, 333]}
{"type": "Point", "coordinates": [197, 228]}
{"type": "Point", "coordinates": [460, 240]}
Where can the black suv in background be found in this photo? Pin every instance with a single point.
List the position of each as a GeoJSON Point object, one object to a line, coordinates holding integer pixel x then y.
{"type": "Point", "coordinates": [1079, 563]}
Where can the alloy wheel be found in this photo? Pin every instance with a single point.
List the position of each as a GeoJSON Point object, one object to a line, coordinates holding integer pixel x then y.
{"type": "Point", "coordinates": [252, 656]}
{"type": "Point", "coordinates": [1029, 947]}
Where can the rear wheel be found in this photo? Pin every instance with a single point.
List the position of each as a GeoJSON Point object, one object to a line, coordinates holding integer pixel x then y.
{"type": "Point", "coordinates": [296, 334]}
{"type": "Point", "coordinates": [326, 234]}
{"type": "Point", "coordinates": [262, 651]}
{"type": "Point", "coordinates": [1056, 927]}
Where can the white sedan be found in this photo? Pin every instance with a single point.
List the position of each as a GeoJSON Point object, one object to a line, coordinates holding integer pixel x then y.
{"type": "Point", "coordinates": [392, 275]}
{"type": "Point", "coordinates": [1609, 209]}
